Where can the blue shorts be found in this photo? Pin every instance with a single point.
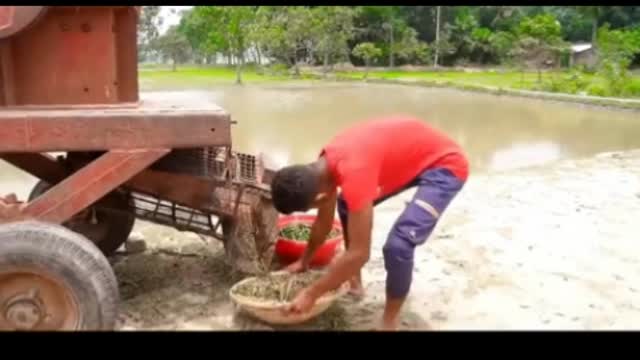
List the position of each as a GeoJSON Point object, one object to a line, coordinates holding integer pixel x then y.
{"type": "Point", "coordinates": [436, 188]}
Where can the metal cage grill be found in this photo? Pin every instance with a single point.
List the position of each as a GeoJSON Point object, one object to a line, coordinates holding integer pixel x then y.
{"type": "Point", "coordinates": [217, 163]}
{"type": "Point", "coordinates": [180, 217]}
{"type": "Point", "coordinates": [237, 171]}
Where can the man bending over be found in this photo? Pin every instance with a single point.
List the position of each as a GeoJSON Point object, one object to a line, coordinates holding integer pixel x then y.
{"type": "Point", "coordinates": [370, 163]}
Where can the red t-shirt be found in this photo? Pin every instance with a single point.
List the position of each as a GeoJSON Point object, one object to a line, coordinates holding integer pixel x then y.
{"type": "Point", "coordinates": [380, 156]}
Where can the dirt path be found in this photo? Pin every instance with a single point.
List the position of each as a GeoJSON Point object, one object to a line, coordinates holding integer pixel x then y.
{"type": "Point", "coordinates": [554, 247]}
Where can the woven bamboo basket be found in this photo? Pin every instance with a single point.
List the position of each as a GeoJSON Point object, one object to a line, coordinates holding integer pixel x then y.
{"type": "Point", "coordinates": [274, 312]}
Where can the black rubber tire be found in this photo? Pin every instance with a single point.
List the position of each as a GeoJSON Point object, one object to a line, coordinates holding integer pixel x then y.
{"type": "Point", "coordinates": [119, 225]}
{"type": "Point", "coordinates": [71, 259]}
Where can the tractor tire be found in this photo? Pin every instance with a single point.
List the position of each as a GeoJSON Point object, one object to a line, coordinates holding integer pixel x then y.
{"type": "Point", "coordinates": [112, 228]}
{"type": "Point", "coordinates": [54, 279]}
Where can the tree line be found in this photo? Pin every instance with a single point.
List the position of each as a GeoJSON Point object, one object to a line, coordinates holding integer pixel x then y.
{"type": "Point", "coordinates": [524, 36]}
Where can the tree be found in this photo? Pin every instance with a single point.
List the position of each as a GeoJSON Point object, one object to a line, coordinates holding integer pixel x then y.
{"type": "Point", "coordinates": [324, 34]}
{"type": "Point", "coordinates": [285, 32]}
{"type": "Point", "coordinates": [481, 47]}
{"type": "Point", "coordinates": [380, 25]}
{"type": "Point", "coordinates": [435, 60]}
{"type": "Point", "coordinates": [544, 27]}
{"type": "Point", "coordinates": [539, 42]}
{"type": "Point", "coordinates": [194, 26]}
{"type": "Point", "coordinates": [236, 21]}
{"type": "Point", "coordinates": [616, 50]}
{"type": "Point", "coordinates": [333, 29]}
{"type": "Point", "coordinates": [502, 43]}
{"type": "Point", "coordinates": [575, 26]}
{"type": "Point", "coordinates": [392, 24]}
{"type": "Point", "coordinates": [457, 36]}
{"type": "Point", "coordinates": [409, 48]}
{"type": "Point", "coordinates": [592, 13]}
{"type": "Point", "coordinates": [230, 30]}
{"type": "Point", "coordinates": [173, 45]}
{"type": "Point", "coordinates": [267, 32]}
{"type": "Point", "coordinates": [367, 51]}
{"type": "Point", "coordinates": [620, 16]}
{"type": "Point", "coordinates": [149, 23]}
{"type": "Point", "coordinates": [498, 18]}
{"type": "Point", "coordinates": [255, 35]}
{"type": "Point", "coordinates": [299, 33]}
{"type": "Point", "coordinates": [202, 28]}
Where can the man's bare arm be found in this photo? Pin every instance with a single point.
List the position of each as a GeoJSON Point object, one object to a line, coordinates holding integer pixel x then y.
{"type": "Point", "coordinates": [359, 228]}
{"type": "Point", "coordinates": [320, 229]}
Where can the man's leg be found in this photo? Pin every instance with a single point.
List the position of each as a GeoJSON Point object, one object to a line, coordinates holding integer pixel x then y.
{"type": "Point", "coordinates": [356, 287]}
{"type": "Point", "coordinates": [436, 189]}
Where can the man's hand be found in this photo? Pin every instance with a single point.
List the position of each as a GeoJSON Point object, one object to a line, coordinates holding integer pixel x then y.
{"type": "Point", "coordinates": [298, 266]}
{"type": "Point", "coordinates": [348, 265]}
{"type": "Point", "coordinates": [302, 303]}
{"type": "Point", "coordinates": [321, 227]}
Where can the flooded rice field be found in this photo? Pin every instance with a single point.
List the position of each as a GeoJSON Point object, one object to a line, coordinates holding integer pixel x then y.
{"type": "Point", "coordinates": [542, 237]}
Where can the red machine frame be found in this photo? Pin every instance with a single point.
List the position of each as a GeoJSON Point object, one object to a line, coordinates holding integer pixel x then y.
{"type": "Point", "coordinates": [68, 79]}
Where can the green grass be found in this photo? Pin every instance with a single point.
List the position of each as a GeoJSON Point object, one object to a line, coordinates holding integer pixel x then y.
{"type": "Point", "coordinates": [507, 79]}
{"type": "Point", "coordinates": [162, 77]}
{"type": "Point", "coordinates": [192, 77]}
{"type": "Point", "coordinates": [498, 79]}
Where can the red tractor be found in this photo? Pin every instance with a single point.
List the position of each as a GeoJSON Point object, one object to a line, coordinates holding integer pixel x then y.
{"type": "Point", "coordinates": [69, 84]}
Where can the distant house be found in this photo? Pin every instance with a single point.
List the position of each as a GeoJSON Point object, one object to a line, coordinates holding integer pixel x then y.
{"type": "Point", "coordinates": [583, 54]}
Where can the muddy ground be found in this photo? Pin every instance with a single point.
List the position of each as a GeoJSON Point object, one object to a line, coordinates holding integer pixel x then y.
{"type": "Point", "coordinates": [553, 247]}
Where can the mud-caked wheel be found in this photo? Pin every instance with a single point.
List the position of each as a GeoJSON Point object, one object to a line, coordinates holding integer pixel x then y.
{"type": "Point", "coordinates": [54, 279]}
{"type": "Point", "coordinates": [108, 223]}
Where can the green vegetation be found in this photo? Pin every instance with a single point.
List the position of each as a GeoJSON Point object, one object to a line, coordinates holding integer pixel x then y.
{"type": "Point", "coordinates": [570, 82]}
{"type": "Point", "coordinates": [302, 232]}
{"type": "Point", "coordinates": [510, 79]}
{"type": "Point", "coordinates": [617, 49]}
{"type": "Point", "coordinates": [196, 77]}
{"type": "Point", "coordinates": [368, 52]}
{"type": "Point", "coordinates": [172, 46]}
{"type": "Point", "coordinates": [529, 44]}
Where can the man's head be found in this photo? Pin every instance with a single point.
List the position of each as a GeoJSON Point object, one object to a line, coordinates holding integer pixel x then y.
{"type": "Point", "coordinates": [297, 188]}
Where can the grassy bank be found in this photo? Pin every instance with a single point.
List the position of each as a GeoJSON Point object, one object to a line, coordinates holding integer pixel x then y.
{"type": "Point", "coordinates": [567, 82]}
{"type": "Point", "coordinates": [514, 83]}
{"type": "Point", "coordinates": [621, 103]}
{"type": "Point", "coordinates": [163, 78]}
{"type": "Point", "coordinates": [485, 78]}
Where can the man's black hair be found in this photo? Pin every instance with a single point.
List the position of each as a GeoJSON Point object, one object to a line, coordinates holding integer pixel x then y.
{"type": "Point", "coordinates": [294, 188]}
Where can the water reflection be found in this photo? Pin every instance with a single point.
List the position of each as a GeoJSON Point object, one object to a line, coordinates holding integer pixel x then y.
{"type": "Point", "coordinates": [524, 155]}
{"type": "Point", "coordinates": [297, 120]}
{"type": "Point", "coordinates": [290, 123]}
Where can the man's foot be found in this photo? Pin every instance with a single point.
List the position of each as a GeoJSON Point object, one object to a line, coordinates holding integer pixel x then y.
{"type": "Point", "coordinates": [356, 289]}
{"type": "Point", "coordinates": [389, 325]}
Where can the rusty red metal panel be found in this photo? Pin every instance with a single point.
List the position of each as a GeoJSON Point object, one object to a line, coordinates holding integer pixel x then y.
{"type": "Point", "coordinates": [73, 55]}
{"type": "Point", "coordinates": [7, 71]}
{"type": "Point", "coordinates": [93, 130]}
{"type": "Point", "coordinates": [89, 184]}
{"type": "Point", "coordinates": [14, 19]}
{"type": "Point", "coordinates": [42, 166]}
{"type": "Point", "coordinates": [67, 58]}
{"type": "Point", "coordinates": [126, 21]}
{"type": "Point", "coordinates": [128, 105]}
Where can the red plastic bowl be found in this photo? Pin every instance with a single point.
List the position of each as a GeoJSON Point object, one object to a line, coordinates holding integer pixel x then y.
{"type": "Point", "coordinates": [289, 250]}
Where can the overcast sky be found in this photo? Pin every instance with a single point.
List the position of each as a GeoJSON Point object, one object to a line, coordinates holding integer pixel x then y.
{"type": "Point", "coordinates": [169, 18]}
